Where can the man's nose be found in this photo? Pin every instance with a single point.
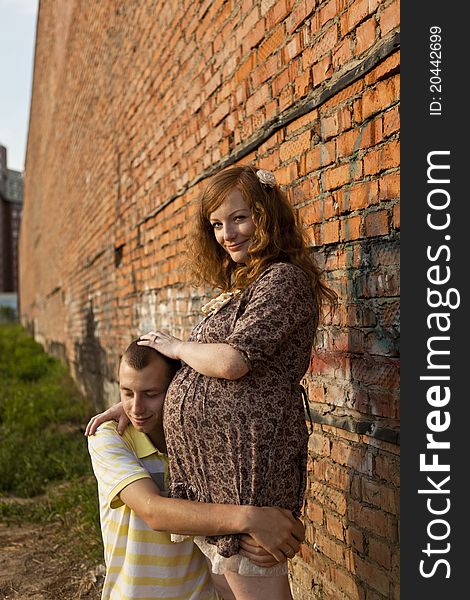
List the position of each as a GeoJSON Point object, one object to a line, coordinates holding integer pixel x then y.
{"type": "Point", "coordinates": [138, 404]}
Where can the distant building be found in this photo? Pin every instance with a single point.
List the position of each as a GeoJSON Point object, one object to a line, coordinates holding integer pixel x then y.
{"type": "Point", "coordinates": [11, 204]}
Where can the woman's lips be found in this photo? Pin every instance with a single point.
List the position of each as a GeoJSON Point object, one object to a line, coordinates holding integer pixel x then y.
{"type": "Point", "coordinates": [236, 246]}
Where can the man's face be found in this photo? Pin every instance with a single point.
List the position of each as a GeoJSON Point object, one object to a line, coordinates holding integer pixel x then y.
{"type": "Point", "coordinates": [143, 392]}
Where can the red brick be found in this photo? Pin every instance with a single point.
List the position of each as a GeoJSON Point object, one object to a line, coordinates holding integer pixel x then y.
{"type": "Point", "coordinates": [308, 57]}
{"type": "Point", "coordinates": [330, 548]}
{"type": "Point", "coordinates": [329, 126]}
{"type": "Point", "coordinates": [355, 538]}
{"type": "Point", "coordinates": [288, 173]}
{"type": "Point", "coordinates": [277, 13]}
{"type": "Point", "coordinates": [328, 11]}
{"type": "Point", "coordinates": [389, 187]}
{"type": "Point", "coordinates": [337, 476]}
{"type": "Point", "coordinates": [396, 217]}
{"type": "Point", "coordinates": [303, 84]}
{"type": "Point", "coordinates": [327, 153]}
{"type": "Point", "coordinates": [250, 23]}
{"type": "Point", "coordinates": [357, 12]}
{"type": "Point", "coordinates": [302, 122]}
{"type": "Point", "coordinates": [315, 512]}
{"type": "Point", "coordinates": [376, 223]}
{"type": "Point", "coordinates": [325, 43]}
{"type": "Point", "coordinates": [387, 69]}
{"type": "Point", "coordinates": [319, 445]}
{"type": "Point", "coordinates": [335, 526]}
{"type": "Point", "coordinates": [330, 232]}
{"type": "Point", "coordinates": [342, 53]}
{"type": "Point", "coordinates": [373, 520]}
{"type": "Point", "coordinates": [390, 17]}
{"type": "Point", "coordinates": [360, 196]}
{"type": "Point", "coordinates": [346, 454]}
{"type": "Point", "coordinates": [298, 15]}
{"type": "Point", "coordinates": [383, 497]}
{"type": "Point", "coordinates": [322, 70]}
{"type": "Point", "coordinates": [316, 392]}
{"type": "Point", "coordinates": [391, 122]}
{"type": "Point", "coordinates": [280, 82]}
{"type": "Point", "coordinates": [351, 228]}
{"type": "Point", "coordinates": [286, 98]}
{"type": "Point", "coordinates": [377, 578]}
{"type": "Point", "coordinates": [245, 69]}
{"type": "Point", "coordinates": [371, 134]}
{"type": "Point", "coordinates": [329, 208]}
{"type": "Point", "coordinates": [383, 158]}
{"type": "Point", "coordinates": [365, 35]}
{"type": "Point", "coordinates": [336, 177]}
{"type": "Point", "coordinates": [380, 553]}
{"type": "Point", "coordinates": [291, 49]}
{"type": "Point", "coordinates": [258, 99]}
{"type": "Point", "coordinates": [379, 98]}
{"type": "Point", "coordinates": [346, 143]}
{"type": "Point", "coordinates": [347, 584]}
{"type": "Point", "coordinates": [271, 44]}
{"type": "Point", "coordinates": [329, 498]}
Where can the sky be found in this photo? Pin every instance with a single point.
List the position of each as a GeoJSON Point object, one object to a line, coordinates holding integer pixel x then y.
{"type": "Point", "coordinates": [17, 38]}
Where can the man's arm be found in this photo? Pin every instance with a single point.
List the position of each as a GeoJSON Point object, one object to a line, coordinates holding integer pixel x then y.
{"type": "Point", "coordinates": [275, 529]}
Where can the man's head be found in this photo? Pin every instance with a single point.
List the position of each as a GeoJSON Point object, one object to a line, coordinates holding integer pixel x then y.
{"type": "Point", "coordinates": [144, 376]}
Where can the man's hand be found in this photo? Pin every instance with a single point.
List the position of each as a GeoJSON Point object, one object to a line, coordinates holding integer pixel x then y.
{"type": "Point", "coordinates": [113, 413]}
{"type": "Point", "coordinates": [277, 531]}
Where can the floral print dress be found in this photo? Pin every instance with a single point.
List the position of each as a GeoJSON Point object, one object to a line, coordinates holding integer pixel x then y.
{"type": "Point", "coordinates": [245, 441]}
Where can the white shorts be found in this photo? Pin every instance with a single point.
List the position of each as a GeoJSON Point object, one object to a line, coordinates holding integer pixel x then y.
{"type": "Point", "coordinates": [236, 563]}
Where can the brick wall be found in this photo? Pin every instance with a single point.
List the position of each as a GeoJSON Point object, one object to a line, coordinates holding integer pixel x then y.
{"type": "Point", "coordinates": [132, 109]}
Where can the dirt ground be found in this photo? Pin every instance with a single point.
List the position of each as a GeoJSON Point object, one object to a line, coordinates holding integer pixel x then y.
{"type": "Point", "coordinates": [35, 564]}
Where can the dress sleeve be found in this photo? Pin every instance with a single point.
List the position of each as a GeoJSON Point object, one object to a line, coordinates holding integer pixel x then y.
{"type": "Point", "coordinates": [115, 465]}
{"type": "Point", "coordinates": [281, 301]}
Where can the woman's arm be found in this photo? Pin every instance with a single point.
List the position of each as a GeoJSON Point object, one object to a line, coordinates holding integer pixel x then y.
{"type": "Point", "coordinates": [213, 360]}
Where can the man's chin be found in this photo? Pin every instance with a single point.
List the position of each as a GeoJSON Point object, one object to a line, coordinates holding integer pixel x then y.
{"type": "Point", "coordinates": [143, 426]}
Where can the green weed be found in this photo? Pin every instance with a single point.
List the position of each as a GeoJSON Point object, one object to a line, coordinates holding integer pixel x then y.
{"type": "Point", "coordinates": [43, 452]}
{"type": "Point", "coordinates": [40, 416]}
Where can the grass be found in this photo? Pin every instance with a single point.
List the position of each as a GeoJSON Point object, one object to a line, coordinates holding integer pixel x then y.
{"type": "Point", "coordinates": [43, 453]}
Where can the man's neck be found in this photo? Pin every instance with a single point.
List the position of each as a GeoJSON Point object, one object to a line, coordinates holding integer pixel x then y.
{"type": "Point", "coordinates": [157, 437]}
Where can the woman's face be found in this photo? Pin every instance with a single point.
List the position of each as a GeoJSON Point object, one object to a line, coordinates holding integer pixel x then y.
{"type": "Point", "coordinates": [233, 226]}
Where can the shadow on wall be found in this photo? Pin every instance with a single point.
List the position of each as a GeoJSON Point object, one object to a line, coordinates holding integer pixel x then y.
{"type": "Point", "coordinates": [370, 451]}
{"type": "Point", "coordinates": [91, 367]}
{"type": "Point", "coordinates": [352, 548]}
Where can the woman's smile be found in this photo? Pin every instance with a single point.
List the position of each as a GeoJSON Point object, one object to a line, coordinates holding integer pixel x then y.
{"type": "Point", "coordinates": [233, 247]}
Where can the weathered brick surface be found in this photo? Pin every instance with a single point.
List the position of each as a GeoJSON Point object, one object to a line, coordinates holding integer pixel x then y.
{"type": "Point", "coordinates": [133, 106]}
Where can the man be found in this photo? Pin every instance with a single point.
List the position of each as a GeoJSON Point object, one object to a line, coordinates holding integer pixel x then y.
{"type": "Point", "coordinates": [137, 517]}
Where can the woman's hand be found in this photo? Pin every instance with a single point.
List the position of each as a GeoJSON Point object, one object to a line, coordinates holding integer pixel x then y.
{"type": "Point", "coordinates": [113, 413]}
{"type": "Point", "coordinates": [255, 553]}
{"type": "Point", "coordinates": [277, 531]}
{"type": "Point", "coordinates": [163, 342]}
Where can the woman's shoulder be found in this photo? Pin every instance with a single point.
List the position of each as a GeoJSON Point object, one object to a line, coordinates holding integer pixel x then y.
{"type": "Point", "coordinates": [285, 271]}
{"type": "Point", "coordinates": [282, 278]}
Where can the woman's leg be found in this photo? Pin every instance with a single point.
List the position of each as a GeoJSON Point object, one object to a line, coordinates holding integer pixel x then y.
{"type": "Point", "coordinates": [259, 588]}
{"type": "Point", "coordinates": [221, 586]}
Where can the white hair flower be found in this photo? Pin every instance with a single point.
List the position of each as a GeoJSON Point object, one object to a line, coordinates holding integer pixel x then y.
{"type": "Point", "coordinates": [266, 177]}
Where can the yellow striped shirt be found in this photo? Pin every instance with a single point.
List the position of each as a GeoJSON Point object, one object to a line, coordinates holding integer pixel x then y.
{"type": "Point", "coordinates": [140, 563]}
